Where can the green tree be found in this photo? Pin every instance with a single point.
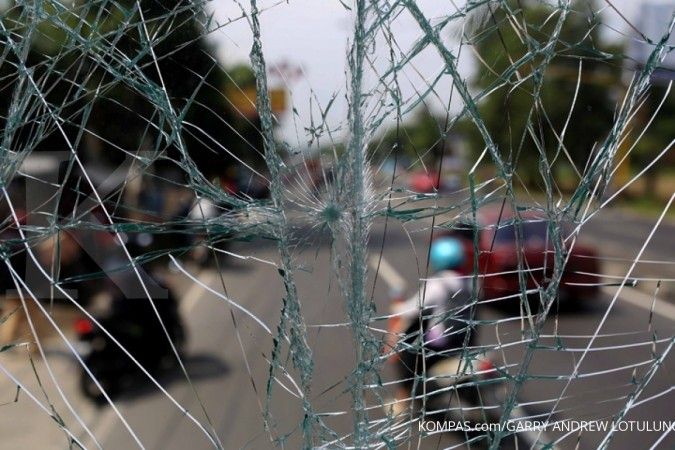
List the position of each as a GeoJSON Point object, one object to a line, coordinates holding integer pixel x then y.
{"type": "Point", "coordinates": [656, 138]}
{"type": "Point", "coordinates": [93, 63]}
{"type": "Point", "coordinates": [420, 138]}
{"type": "Point", "coordinates": [520, 121]}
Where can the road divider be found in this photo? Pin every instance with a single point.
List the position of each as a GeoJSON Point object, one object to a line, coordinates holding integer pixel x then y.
{"type": "Point", "coordinates": [645, 301]}
{"type": "Point", "coordinates": [387, 272]}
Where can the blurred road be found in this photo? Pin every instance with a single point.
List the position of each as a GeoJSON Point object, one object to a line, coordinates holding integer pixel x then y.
{"type": "Point", "coordinates": [229, 365]}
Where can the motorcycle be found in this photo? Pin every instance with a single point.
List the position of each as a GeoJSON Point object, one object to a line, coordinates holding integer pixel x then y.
{"type": "Point", "coordinates": [134, 324]}
{"type": "Point", "coordinates": [460, 394]}
{"type": "Point", "coordinates": [472, 395]}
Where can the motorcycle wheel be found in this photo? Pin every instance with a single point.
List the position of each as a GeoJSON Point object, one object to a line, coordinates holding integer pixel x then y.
{"type": "Point", "coordinates": [90, 390]}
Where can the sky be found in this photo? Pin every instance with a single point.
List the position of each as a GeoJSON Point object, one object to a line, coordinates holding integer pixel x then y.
{"type": "Point", "coordinates": [312, 37]}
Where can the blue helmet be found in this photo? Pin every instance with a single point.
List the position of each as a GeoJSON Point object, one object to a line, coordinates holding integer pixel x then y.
{"type": "Point", "coordinates": [446, 254]}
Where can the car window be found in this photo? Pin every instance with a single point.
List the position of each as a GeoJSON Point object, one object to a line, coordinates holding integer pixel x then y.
{"type": "Point", "coordinates": [530, 232]}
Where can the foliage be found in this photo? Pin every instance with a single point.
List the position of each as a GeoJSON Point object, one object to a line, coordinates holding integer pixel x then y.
{"type": "Point", "coordinates": [181, 61]}
{"type": "Point", "coordinates": [509, 57]}
{"type": "Point", "coordinates": [420, 139]}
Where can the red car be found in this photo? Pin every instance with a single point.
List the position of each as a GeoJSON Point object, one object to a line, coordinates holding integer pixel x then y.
{"type": "Point", "coordinates": [499, 251]}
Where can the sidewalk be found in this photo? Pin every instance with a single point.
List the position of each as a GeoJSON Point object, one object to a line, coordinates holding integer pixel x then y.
{"type": "Point", "coordinates": [39, 397]}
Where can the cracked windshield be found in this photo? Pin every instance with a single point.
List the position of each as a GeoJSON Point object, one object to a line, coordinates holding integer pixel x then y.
{"type": "Point", "coordinates": [319, 224]}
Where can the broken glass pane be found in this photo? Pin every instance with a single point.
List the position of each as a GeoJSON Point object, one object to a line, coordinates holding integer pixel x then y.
{"type": "Point", "coordinates": [337, 224]}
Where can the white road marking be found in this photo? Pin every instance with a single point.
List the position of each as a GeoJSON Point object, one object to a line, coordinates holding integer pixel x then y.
{"type": "Point", "coordinates": [387, 272]}
{"type": "Point", "coordinates": [193, 294]}
{"type": "Point", "coordinates": [644, 301]}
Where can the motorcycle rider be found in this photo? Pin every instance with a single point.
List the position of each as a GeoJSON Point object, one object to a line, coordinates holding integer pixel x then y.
{"type": "Point", "coordinates": [439, 313]}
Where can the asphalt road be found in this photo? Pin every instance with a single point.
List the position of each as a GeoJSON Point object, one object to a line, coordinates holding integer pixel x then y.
{"type": "Point", "coordinates": [229, 365]}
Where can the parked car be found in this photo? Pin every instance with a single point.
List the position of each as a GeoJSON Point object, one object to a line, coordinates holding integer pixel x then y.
{"type": "Point", "coordinates": [499, 249]}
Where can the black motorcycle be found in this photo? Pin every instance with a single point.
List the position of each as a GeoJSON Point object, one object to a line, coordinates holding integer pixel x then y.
{"type": "Point", "coordinates": [469, 396]}
{"type": "Point", "coordinates": [134, 324]}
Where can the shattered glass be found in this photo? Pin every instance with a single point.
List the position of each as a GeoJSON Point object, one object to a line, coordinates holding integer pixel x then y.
{"type": "Point", "coordinates": [230, 202]}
